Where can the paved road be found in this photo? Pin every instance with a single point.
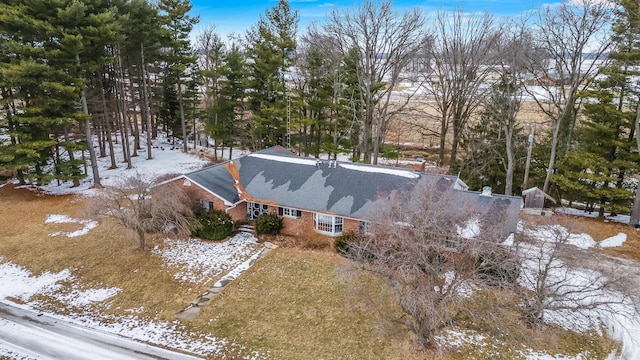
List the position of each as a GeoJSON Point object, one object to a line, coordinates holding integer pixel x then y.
{"type": "Point", "coordinates": [39, 336]}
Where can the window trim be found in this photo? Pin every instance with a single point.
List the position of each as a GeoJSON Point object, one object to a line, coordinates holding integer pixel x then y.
{"type": "Point", "coordinates": [289, 212]}
{"type": "Point", "coordinates": [336, 224]}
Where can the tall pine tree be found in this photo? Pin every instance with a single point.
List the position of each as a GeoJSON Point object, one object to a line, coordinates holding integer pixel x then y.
{"type": "Point", "coordinates": [272, 43]}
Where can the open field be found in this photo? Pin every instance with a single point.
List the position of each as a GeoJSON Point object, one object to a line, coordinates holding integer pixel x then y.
{"type": "Point", "coordinates": [292, 304]}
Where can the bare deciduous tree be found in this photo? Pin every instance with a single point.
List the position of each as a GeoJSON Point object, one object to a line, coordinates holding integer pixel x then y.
{"type": "Point", "coordinates": [573, 39]}
{"type": "Point", "coordinates": [552, 282]}
{"type": "Point", "coordinates": [144, 206]}
{"type": "Point", "coordinates": [503, 103]}
{"type": "Point", "coordinates": [459, 65]}
{"type": "Point", "coordinates": [426, 246]}
{"type": "Point", "coordinates": [386, 42]}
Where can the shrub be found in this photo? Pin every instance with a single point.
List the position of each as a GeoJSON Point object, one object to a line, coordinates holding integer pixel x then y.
{"type": "Point", "coordinates": [354, 246]}
{"type": "Point", "coordinates": [270, 224]}
{"type": "Point", "coordinates": [310, 239]}
{"type": "Point", "coordinates": [498, 268]}
{"type": "Point", "coordinates": [214, 225]}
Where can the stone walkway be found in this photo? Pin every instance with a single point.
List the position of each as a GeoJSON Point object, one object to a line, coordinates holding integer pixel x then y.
{"type": "Point", "coordinates": [193, 309]}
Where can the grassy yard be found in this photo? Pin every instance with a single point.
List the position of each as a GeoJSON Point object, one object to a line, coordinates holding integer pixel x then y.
{"type": "Point", "coordinates": [292, 304]}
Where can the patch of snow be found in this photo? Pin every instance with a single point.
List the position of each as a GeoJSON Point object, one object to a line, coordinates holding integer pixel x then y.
{"type": "Point", "coordinates": [459, 338]}
{"type": "Point", "coordinates": [62, 219]}
{"type": "Point", "coordinates": [287, 159]}
{"type": "Point", "coordinates": [79, 298]}
{"type": "Point", "coordinates": [18, 282]}
{"type": "Point", "coordinates": [558, 233]}
{"type": "Point", "coordinates": [581, 287]}
{"type": "Point", "coordinates": [623, 219]}
{"type": "Point", "coordinates": [381, 170]}
{"type": "Point", "coordinates": [614, 241]}
{"type": "Point", "coordinates": [509, 240]}
{"type": "Point", "coordinates": [199, 260]}
{"type": "Point", "coordinates": [471, 229]}
{"type": "Point", "coordinates": [233, 274]}
{"type": "Point", "coordinates": [167, 159]}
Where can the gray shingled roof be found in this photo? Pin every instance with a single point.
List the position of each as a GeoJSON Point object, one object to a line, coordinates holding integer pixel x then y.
{"type": "Point", "coordinates": [342, 188]}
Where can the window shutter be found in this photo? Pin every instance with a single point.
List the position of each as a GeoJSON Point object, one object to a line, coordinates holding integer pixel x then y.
{"type": "Point", "coordinates": [298, 213]}
{"type": "Point", "coordinates": [280, 211]}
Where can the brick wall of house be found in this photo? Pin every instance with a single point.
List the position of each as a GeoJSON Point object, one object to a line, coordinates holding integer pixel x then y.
{"type": "Point", "coordinates": [239, 212]}
{"type": "Point", "coordinates": [297, 227]}
{"type": "Point", "coordinates": [292, 226]}
{"type": "Point", "coordinates": [196, 192]}
{"type": "Point", "coordinates": [350, 225]}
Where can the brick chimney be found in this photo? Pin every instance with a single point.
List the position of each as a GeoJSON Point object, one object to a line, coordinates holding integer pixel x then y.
{"type": "Point", "coordinates": [420, 165]}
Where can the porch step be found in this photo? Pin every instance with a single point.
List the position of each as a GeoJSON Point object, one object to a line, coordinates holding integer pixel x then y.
{"type": "Point", "coordinates": [247, 228]}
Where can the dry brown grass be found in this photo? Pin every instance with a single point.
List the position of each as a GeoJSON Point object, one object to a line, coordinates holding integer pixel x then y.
{"type": "Point", "coordinates": [601, 230]}
{"type": "Point", "coordinates": [106, 256]}
{"type": "Point", "coordinates": [292, 304]}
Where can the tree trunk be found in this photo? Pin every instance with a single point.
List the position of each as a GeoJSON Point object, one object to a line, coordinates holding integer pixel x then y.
{"type": "Point", "coordinates": [183, 123]}
{"type": "Point", "coordinates": [88, 136]}
{"type": "Point", "coordinates": [508, 184]}
{"type": "Point", "coordinates": [147, 103]}
{"type": "Point", "coordinates": [125, 115]}
{"type": "Point", "coordinates": [635, 212]}
{"type": "Point", "coordinates": [443, 138]}
{"type": "Point", "coordinates": [141, 238]}
{"type": "Point", "coordinates": [552, 156]}
{"type": "Point", "coordinates": [107, 122]}
{"type": "Point", "coordinates": [76, 182]}
{"type": "Point", "coordinates": [100, 133]}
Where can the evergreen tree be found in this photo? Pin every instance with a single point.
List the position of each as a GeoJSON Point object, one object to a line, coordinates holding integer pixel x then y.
{"type": "Point", "coordinates": [179, 60]}
{"type": "Point", "coordinates": [595, 171]}
{"type": "Point", "coordinates": [45, 46]}
{"type": "Point", "coordinates": [144, 38]}
{"type": "Point", "coordinates": [87, 27]}
{"type": "Point", "coordinates": [232, 96]}
{"type": "Point", "coordinates": [271, 48]}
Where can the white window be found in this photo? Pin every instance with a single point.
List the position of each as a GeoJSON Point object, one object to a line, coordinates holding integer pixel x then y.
{"type": "Point", "coordinates": [207, 205]}
{"type": "Point", "coordinates": [289, 212]}
{"type": "Point", "coordinates": [255, 209]}
{"type": "Point", "coordinates": [328, 224]}
{"type": "Point", "coordinates": [364, 227]}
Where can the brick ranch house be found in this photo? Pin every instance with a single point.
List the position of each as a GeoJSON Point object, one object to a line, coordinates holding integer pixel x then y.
{"type": "Point", "coordinates": [329, 197]}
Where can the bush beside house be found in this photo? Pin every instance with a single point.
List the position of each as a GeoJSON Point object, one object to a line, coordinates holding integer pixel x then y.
{"type": "Point", "coordinates": [214, 225]}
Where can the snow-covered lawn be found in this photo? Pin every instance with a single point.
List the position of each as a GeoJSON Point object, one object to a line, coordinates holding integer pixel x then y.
{"type": "Point", "coordinates": [581, 287]}
{"type": "Point", "coordinates": [195, 261]}
{"type": "Point", "coordinates": [64, 219]}
{"type": "Point", "coordinates": [165, 160]}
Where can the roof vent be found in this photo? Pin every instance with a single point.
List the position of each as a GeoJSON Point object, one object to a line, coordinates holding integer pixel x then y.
{"type": "Point", "coordinates": [486, 191]}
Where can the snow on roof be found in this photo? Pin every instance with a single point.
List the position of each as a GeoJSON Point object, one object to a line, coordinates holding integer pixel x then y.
{"type": "Point", "coordinates": [287, 159]}
{"type": "Point", "coordinates": [381, 170]}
